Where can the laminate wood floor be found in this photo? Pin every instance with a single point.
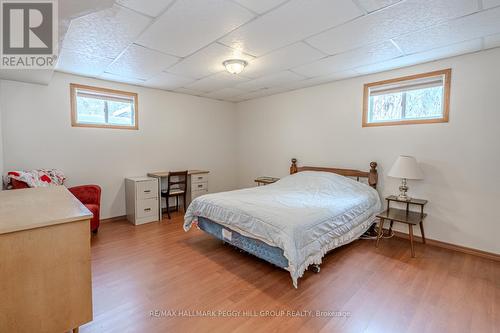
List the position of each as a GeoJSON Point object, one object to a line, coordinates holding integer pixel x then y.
{"type": "Point", "coordinates": [154, 277]}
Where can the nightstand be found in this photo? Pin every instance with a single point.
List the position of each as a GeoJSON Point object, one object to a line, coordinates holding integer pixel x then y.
{"type": "Point", "coordinates": [265, 180]}
{"type": "Point", "coordinates": [406, 216]}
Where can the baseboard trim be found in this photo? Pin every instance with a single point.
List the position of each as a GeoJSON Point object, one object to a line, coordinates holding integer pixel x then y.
{"type": "Point", "coordinates": [114, 219]}
{"type": "Point", "coordinates": [453, 247]}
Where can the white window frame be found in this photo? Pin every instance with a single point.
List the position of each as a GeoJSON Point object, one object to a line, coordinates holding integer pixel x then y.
{"type": "Point", "coordinates": [106, 94]}
{"type": "Point", "coordinates": [444, 75]}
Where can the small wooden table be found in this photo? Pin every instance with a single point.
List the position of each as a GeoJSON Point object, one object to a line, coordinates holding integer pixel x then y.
{"type": "Point", "coordinates": [407, 216]}
{"type": "Point", "coordinates": [266, 180]}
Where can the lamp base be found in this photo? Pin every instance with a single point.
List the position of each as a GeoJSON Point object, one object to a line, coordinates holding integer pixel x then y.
{"type": "Point", "coordinates": [404, 197]}
{"type": "Point", "coordinates": [402, 191]}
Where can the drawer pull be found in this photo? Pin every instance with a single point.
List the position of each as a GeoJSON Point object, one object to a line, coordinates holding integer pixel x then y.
{"type": "Point", "coordinates": [199, 186]}
{"type": "Point", "coordinates": [147, 191]}
{"type": "Point", "coordinates": [147, 209]}
{"type": "Point", "coordinates": [200, 178]}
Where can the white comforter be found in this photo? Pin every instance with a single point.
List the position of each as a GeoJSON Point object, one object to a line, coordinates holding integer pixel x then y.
{"type": "Point", "coordinates": [305, 214]}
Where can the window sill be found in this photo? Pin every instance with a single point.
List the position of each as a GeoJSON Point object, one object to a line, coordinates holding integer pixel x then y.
{"type": "Point", "coordinates": [406, 122]}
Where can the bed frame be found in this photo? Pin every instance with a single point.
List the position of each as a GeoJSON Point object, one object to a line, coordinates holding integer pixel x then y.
{"type": "Point", "coordinates": [271, 254]}
{"type": "Point", "coordinates": [371, 175]}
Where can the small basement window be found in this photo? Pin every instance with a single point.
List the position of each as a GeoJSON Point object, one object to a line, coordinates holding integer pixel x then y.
{"type": "Point", "coordinates": [106, 108]}
{"type": "Point", "coordinates": [417, 99]}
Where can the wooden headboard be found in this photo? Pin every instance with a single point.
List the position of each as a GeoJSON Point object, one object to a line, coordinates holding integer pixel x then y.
{"type": "Point", "coordinates": [372, 175]}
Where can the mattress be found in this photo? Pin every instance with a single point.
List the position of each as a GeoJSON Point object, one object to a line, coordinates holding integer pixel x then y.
{"type": "Point", "coordinates": [258, 248]}
{"type": "Point", "coordinates": [306, 215]}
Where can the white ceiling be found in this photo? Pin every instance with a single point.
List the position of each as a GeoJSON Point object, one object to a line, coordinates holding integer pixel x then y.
{"type": "Point", "coordinates": [180, 45]}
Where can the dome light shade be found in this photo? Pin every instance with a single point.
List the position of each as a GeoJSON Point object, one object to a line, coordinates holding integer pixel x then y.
{"type": "Point", "coordinates": [235, 66]}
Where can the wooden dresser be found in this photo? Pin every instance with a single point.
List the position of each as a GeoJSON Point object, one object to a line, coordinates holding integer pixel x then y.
{"type": "Point", "coordinates": [45, 261]}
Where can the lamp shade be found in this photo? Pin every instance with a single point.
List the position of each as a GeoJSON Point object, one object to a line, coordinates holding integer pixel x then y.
{"type": "Point", "coordinates": [406, 167]}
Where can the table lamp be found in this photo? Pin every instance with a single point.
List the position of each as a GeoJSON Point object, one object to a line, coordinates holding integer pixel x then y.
{"type": "Point", "coordinates": [405, 167]}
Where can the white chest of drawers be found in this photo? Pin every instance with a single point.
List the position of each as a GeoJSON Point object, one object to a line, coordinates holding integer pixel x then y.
{"type": "Point", "coordinates": [198, 184]}
{"type": "Point", "coordinates": [141, 199]}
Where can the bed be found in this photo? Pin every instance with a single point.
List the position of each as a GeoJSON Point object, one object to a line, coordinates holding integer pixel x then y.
{"type": "Point", "coordinates": [294, 222]}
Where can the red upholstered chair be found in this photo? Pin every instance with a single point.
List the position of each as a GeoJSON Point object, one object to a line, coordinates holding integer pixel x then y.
{"type": "Point", "coordinates": [90, 197]}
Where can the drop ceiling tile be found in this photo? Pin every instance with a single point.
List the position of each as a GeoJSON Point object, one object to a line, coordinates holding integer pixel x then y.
{"type": "Point", "coordinates": [404, 17]}
{"type": "Point", "coordinates": [216, 82]}
{"type": "Point", "coordinates": [121, 79]}
{"type": "Point", "coordinates": [490, 3]}
{"type": "Point", "coordinates": [168, 81]}
{"type": "Point", "coordinates": [207, 61]}
{"type": "Point", "coordinates": [315, 81]}
{"type": "Point", "coordinates": [270, 81]}
{"type": "Point", "coordinates": [373, 5]}
{"type": "Point", "coordinates": [105, 33]}
{"type": "Point", "coordinates": [141, 63]}
{"type": "Point", "coordinates": [492, 41]}
{"type": "Point", "coordinates": [148, 7]}
{"type": "Point", "coordinates": [327, 78]}
{"type": "Point", "coordinates": [259, 93]}
{"type": "Point", "coordinates": [226, 93]}
{"type": "Point", "coordinates": [255, 94]}
{"type": "Point", "coordinates": [282, 59]}
{"type": "Point", "coordinates": [189, 92]}
{"type": "Point", "coordinates": [287, 87]}
{"type": "Point", "coordinates": [290, 23]}
{"type": "Point", "coordinates": [349, 60]}
{"type": "Point", "coordinates": [70, 9]}
{"type": "Point", "coordinates": [192, 24]}
{"type": "Point", "coordinates": [459, 30]}
{"type": "Point", "coordinates": [419, 58]}
{"type": "Point", "coordinates": [260, 6]}
{"type": "Point", "coordinates": [81, 64]}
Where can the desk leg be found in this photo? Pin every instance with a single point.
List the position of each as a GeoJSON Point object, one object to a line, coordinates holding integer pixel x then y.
{"type": "Point", "coordinates": [411, 240]}
{"type": "Point", "coordinates": [380, 230]}
{"type": "Point", "coordinates": [390, 228]}
{"type": "Point", "coordinates": [422, 232]}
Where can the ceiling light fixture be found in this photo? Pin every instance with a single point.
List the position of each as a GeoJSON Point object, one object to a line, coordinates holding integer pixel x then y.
{"type": "Point", "coordinates": [235, 66]}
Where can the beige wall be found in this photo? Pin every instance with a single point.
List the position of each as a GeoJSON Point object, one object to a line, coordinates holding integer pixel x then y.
{"type": "Point", "coordinates": [176, 131]}
{"type": "Point", "coordinates": [319, 125]}
{"type": "Point", "coordinates": [461, 159]}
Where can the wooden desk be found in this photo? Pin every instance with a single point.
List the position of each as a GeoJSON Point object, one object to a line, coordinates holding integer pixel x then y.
{"type": "Point", "coordinates": [45, 261]}
{"type": "Point", "coordinates": [197, 185]}
{"type": "Point", "coordinates": [163, 174]}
